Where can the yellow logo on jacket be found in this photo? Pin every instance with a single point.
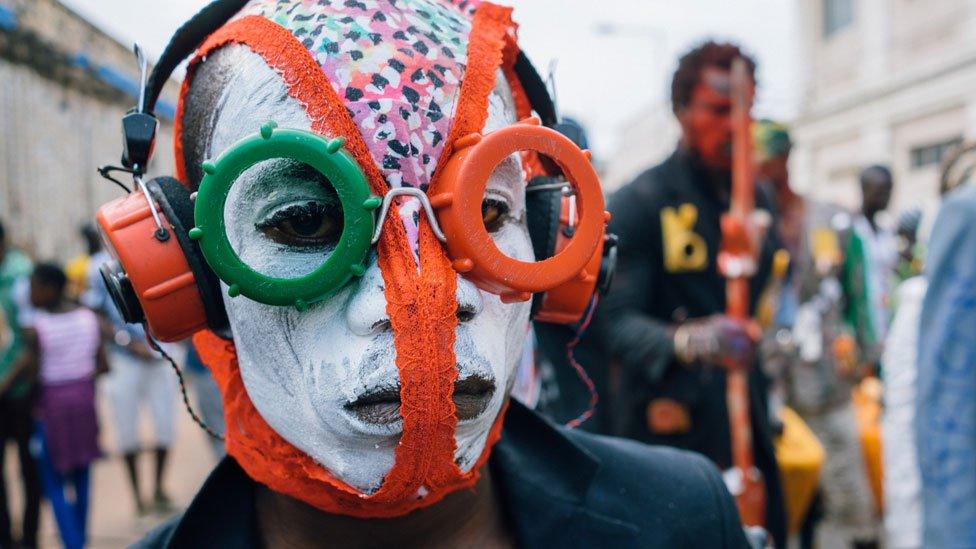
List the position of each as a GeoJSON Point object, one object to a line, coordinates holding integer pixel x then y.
{"type": "Point", "coordinates": [684, 250]}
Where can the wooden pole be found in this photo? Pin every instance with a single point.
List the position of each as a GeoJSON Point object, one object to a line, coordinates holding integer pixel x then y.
{"type": "Point", "coordinates": [738, 263]}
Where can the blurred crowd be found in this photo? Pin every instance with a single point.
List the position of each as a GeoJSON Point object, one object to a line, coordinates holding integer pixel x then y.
{"type": "Point", "coordinates": [59, 333]}
{"type": "Point", "coordinates": [858, 358]}
{"type": "Point", "coordinates": [858, 354]}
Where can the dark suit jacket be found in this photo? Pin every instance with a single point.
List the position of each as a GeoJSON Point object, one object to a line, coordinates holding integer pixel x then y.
{"type": "Point", "coordinates": [561, 488]}
{"type": "Point", "coordinates": [648, 295]}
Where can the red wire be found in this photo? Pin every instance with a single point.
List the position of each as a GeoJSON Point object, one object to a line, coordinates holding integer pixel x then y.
{"type": "Point", "coordinates": [580, 371]}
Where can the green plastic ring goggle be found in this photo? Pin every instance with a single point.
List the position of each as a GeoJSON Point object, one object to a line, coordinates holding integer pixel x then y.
{"type": "Point", "coordinates": [328, 158]}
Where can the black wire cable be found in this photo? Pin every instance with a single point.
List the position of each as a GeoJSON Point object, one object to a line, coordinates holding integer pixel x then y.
{"type": "Point", "coordinates": [106, 172]}
{"type": "Point", "coordinates": [179, 375]}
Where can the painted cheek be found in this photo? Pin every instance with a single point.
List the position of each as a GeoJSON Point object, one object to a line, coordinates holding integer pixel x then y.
{"type": "Point", "coordinates": [712, 140]}
{"type": "Point", "coordinates": [469, 300]}
{"type": "Point", "coordinates": [366, 314]}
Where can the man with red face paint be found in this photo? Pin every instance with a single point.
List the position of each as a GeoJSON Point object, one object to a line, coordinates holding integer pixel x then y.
{"type": "Point", "coordinates": [378, 413]}
{"type": "Point", "coordinates": [664, 319]}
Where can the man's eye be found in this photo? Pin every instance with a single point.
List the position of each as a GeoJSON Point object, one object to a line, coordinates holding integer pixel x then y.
{"type": "Point", "coordinates": [493, 214]}
{"type": "Point", "coordinates": [305, 225]}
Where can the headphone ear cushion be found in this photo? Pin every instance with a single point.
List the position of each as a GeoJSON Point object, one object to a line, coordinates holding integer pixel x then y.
{"type": "Point", "coordinates": [175, 202]}
{"type": "Point", "coordinates": [543, 205]}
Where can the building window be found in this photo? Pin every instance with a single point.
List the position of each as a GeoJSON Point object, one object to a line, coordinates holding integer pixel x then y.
{"type": "Point", "coordinates": [932, 153]}
{"type": "Point", "coordinates": [837, 15]}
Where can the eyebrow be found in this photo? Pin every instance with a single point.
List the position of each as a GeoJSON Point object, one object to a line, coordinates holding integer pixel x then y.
{"type": "Point", "coordinates": [268, 174]}
{"type": "Point", "coordinates": [290, 168]}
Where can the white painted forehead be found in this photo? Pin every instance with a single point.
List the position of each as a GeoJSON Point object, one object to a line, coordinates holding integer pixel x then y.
{"type": "Point", "coordinates": [255, 93]}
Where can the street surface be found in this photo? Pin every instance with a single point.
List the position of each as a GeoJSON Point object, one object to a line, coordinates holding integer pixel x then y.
{"type": "Point", "coordinates": [113, 522]}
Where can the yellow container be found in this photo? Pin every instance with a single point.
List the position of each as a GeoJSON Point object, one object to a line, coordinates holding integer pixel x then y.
{"type": "Point", "coordinates": [800, 458]}
{"type": "Point", "coordinates": [867, 408]}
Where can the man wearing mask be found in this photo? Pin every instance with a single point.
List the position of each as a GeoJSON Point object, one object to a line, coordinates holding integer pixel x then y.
{"type": "Point", "coordinates": [664, 319]}
{"type": "Point", "coordinates": [374, 410]}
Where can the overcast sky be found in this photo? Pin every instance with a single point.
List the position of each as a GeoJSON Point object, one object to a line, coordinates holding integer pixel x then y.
{"type": "Point", "coordinates": [613, 58]}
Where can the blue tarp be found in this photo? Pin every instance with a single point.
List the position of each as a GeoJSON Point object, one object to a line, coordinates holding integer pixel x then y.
{"type": "Point", "coordinates": [106, 73]}
{"type": "Point", "coordinates": [8, 19]}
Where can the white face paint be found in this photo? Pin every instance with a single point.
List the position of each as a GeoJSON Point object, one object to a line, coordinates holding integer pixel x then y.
{"type": "Point", "coordinates": [326, 379]}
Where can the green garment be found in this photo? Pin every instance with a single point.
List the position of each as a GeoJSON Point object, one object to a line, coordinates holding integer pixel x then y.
{"type": "Point", "coordinates": [859, 314]}
{"type": "Point", "coordinates": [15, 265]}
{"type": "Point", "coordinates": [15, 342]}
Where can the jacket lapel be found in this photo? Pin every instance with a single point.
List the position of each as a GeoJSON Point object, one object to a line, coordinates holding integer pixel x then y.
{"type": "Point", "coordinates": [545, 477]}
{"type": "Point", "coordinates": [222, 514]}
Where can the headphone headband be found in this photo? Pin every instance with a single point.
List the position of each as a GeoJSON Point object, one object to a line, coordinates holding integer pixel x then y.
{"type": "Point", "coordinates": [185, 41]}
{"type": "Point", "coordinates": [536, 90]}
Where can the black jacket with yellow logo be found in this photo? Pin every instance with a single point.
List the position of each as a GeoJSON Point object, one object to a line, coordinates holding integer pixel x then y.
{"type": "Point", "coordinates": [667, 220]}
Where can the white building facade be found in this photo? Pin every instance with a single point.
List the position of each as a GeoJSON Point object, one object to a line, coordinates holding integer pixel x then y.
{"type": "Point", "coordinates": [64, 87]}
{"type": "Point", "coordinates": [886, 81]}
{"type": "Point", "coordinates": [645, 141]}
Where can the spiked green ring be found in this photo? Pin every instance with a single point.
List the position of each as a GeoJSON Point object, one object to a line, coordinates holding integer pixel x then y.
{"type": "Point", "coordinates": [325, 156]}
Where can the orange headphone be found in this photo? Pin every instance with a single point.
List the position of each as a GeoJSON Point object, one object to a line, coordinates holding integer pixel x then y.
{"type": "Point", "coordinates": [161, 275]}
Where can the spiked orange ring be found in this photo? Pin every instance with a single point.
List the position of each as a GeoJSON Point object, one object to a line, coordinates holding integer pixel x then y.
{"type": "Point", "coordinates": [461, 190]}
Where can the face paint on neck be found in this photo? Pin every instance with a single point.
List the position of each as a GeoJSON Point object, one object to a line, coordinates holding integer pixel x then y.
{"type": "Point", "coordinates": [706, 122]}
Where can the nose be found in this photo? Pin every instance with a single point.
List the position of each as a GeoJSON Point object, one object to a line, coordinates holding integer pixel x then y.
{"type": "Point", "coordinates": [366, 314]}
{"type": "Point", "coordinates": [469, 302]}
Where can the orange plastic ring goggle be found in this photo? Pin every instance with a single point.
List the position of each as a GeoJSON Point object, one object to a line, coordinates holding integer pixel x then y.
{"type": "Point", "coordinates": [458, 203]}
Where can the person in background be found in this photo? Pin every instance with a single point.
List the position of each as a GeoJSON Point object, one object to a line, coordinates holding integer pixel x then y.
{"type": "Point", "coordinates": [63, 351]}
{"type": "Point", "coordinates": [77, 268]}
{"type": "Point", "coordinates": [14, 264]}
{"type": "Point", "coordinates": [663, 319]}
{"type": "Point", "coordinates": [208, 398]}
{"type": "Point", "coordinates": [871, 257]}
{"type": "Point", "coordinates": [778, 302]}
{"type": "Point", "coordinates": [945, 407]}
{"type": "Point", "coordinates": [816, 350]}
{"type": "Point", "coordinates": [910, 251]}
{"type": "Point", "coordinates": [902, 486]}
{"type": "Point", "coordinates": [139, 378]}
{"type": "Point", "coordinates": [16, 403]}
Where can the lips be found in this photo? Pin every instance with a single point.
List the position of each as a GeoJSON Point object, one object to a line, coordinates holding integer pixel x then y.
{"type": "Point", "coordinates": [381, 406]}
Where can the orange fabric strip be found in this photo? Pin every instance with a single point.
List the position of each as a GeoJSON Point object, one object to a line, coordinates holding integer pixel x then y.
{"type": "Point", "coordinates": [306, 83]}
{"type": "Point", "coordinates": [421, 305]}
{"type": "Point", "coordinates": [423, 308]}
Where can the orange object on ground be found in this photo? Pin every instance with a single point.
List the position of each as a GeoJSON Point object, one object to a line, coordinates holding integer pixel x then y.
{"type": "Point", "coordinates": [800, 457]}
{"type": "Point", "coordinates": [667, 416]}
{"type": "Point", "coordinates": [867, 408]}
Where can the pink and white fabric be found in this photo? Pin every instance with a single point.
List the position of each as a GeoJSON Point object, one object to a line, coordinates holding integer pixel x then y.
{"type": "Point", "coordinates": [399, 70]}
{"type": "Point", "coordinates": [68, 345]}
